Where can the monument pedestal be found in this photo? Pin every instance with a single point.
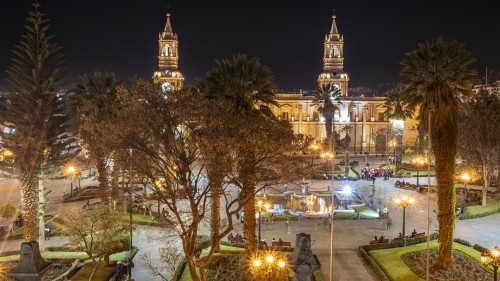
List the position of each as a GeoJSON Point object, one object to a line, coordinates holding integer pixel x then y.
{"type": "Point", "coordinates": [302, 261]}
{"type": "Point", "coordinates": [31, 265]}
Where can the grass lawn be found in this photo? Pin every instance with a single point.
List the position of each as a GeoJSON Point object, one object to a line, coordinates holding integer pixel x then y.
{"type": "Point", "coordinates": [478, 211]}
{"type": "Point", "coordinates": [102, 273]}
{"type": "Point", "coordinates": [391, 263]}
{"type": "Point", "coordinates": [144, 220]}
{"type": "Point", "coordinates": [366, 212]}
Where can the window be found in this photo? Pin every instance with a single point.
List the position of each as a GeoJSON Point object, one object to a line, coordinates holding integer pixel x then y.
{"type": "Point", "coordinates": [380, 116]}
{"type": "Point", "coordinates": [284, 116]}
{"type": "Point", "coordinates": [335, 52]}
{"type": "Point", "coordinates": [167, 50]}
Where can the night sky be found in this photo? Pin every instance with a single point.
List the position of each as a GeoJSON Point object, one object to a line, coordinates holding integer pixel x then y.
{"type": "Point", "coordinates": [121, 36]}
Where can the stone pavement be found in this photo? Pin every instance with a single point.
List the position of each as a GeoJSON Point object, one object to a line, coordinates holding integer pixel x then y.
{"type": "Point", "coordinates": [348, 234]}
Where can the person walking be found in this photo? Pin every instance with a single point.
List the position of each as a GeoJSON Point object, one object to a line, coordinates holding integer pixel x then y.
{"type": "Point", "coordinates": [389, 223]}
{"type": "Point", "coordinates": [385, 212]}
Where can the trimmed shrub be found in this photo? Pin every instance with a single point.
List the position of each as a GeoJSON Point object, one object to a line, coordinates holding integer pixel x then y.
{"type": "Point", "coordinates": [232, 244]}
{"type": "Point", "coordinates": [223, 267]}
{"type": "Point", "coordinates": [60, 249]}
{"type": "Point", "coordinates": [480, 248]}
{"type": "Point", "coordinates": [9, 253]}
{"type": "Point", "coordinates": [373, 264]}
{"type": "Point", "coordinates": [179, 270]}
{"type": "Point", "coordinates": [462, 241]}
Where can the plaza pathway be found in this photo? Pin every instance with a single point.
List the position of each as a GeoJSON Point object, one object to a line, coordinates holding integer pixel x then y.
{"type": "Point", "coordinates": [348, 234]}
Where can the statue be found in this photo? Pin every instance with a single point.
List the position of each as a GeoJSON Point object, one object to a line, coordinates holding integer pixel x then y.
{"type": "Point", "coordinates": [31, 265]}
{"type": "Point", "coordinates": [302, 261]}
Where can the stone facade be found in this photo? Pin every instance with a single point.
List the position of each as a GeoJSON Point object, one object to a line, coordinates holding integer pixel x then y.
{"type": "Point", "coordinates": [364, 114]}
{"type": "Point", "coordinates": [168, 75]}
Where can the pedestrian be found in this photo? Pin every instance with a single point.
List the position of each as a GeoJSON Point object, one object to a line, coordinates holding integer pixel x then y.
{"type": "Point", "coordinates": [118, 268]}
{"type": "Point", "coordinates": [389, 223]}
{"type": "Point", "coordinates": [373, 180]}
{"type": "Point", "coordinates": [385, 212]}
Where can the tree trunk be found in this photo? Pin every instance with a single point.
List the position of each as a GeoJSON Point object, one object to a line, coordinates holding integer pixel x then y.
{"type": "Point", "coordinates": [106, 260]}
{"type": "Point", "coordinates": [215, 187]}
{"type": "Point", "coordinates": [444, 144]}
{"type": "Point", "coordinates": [30, 206]}
{"type": "Point", "coordinates": [399, 149]}
{"type": "Point", "coordinates": [103, 181]}
{"type": "Point", "coordinates": [249, 225]}
{"type": "Point", "coordinates": [329, 132]}
{"type": "Point", "coordinates": [192, 269]}
{"type": "Point", "coordinates": [486, 183]}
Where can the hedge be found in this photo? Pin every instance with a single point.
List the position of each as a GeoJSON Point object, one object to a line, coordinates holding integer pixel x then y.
{"type": "Point", "coordinates": [373, 264]}
{"type": "Point", "coordinates": [364, 250]}
{"type": "Point", "coordinates": [477, 211]}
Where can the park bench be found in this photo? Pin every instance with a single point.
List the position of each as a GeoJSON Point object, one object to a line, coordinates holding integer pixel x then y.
{"type": "Point", "coordinates": [281, 244]}
{"type": "Point", "coordinates": [379, 241]}
{"type": "Point", "coordinates": [421, 234]}
{"type": "Point", "coordinates": [236, 240]}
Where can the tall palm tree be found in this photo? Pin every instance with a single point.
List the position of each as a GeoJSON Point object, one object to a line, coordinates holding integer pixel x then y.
{"type": "Point", "coordinates": [34, 110]}
{"type": "Point", "coordinates": [246, 87]}
{"type": "Point", "coordinates": [95, 105]}
{"type": "Point", "coordinates": [396, 110]}
{"type": "Point", "coordinates": [438, 75]}
{"type": "Point", "coordinates": [328, 97]}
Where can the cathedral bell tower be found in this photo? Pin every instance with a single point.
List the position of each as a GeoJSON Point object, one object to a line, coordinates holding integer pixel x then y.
{"type": "Point", "coordinates": [333, 61]}
{"type": "Point", "coordinates": [168, 75]}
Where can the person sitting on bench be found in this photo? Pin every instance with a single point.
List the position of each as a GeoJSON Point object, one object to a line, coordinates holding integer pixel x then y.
{"type": "Point", "coordinates": [381, 240]}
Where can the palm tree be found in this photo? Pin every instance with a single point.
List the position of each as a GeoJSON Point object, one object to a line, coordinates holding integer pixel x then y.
{"type": "Point", "coordinates": [34, 110]}
{"type": "Point", "coordinates": [244, 83]}
{"type": "Point", "coordinates": [438, 76]}
{"type": "Point", "coordinates": [246, 88]}
{"type": "Point", "coordinates": [95, 105]}
{"type": "Point", "coordinates": [396, 110]}
{"type": "Point", "coordinates": [328, 97]}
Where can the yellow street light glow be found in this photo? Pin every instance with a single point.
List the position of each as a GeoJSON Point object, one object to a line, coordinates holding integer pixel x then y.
{"type": "Point", "coordinates": [281, 264]}
{"type": "Point", "coordinates": [404, 197]}
{"type": "Point", "coordinates": [259, 203]}
{"type": "Point", "coordinates": [256, 262]}
{"type": "Point", "coordinates": [483, 258]}
{"type": "Point", "coordinates": [411, 200]}
{"type": "Point", "coordinates": [267, 206]}
{"type": "Point", "coordinates": [269, 259]}
{"type": "Point", "coordinates": [465, 176]}
{"type": "Point", "coordinates": [71, 170]}
{"type": "Point", "coordinates": [495, 252]}
{"type": "Point", "coordinates": [398, 201]}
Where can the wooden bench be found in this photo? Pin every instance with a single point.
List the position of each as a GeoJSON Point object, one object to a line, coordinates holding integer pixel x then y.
{"type": "Point", "coordinates": [421, 234]}
{"type": "Point", "coordinates": [281, 244]}
{"type": "Point", "coordinates": [379, 241]}
{"type": "Point", "coordinates": [236, 240]}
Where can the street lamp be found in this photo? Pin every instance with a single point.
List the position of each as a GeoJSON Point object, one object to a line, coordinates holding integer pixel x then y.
{"type": "Point", "coordinates": [260, 206]}
{"type": "Point", "coordinates": [131, 182]}
{"type": "Point", "coordinates": [404, 201]}
{"type": "Point", "coordinates": [465, 178]}
{"type": "Point", "coordinates": [419, 161]}
{"type": "Point", "coordinates": [71, 171]}
{"type": "Point", "coordinates": [331, 156]}
{"type": "Point", "coordinates": [313, 148]}
{"type": "Point", "coordinates": [268, 265]}
{"type": "Point", "coordinates": [494, 255]}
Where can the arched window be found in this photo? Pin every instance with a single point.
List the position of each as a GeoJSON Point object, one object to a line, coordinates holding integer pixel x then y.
{"type": "Point", "coordinates": [167, 50]}
{"type": "Point", "coordinates": [335, 52]}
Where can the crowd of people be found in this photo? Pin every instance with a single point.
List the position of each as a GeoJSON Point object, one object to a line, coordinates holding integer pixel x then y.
{"type": "Point", "coordinates": [370, 173]}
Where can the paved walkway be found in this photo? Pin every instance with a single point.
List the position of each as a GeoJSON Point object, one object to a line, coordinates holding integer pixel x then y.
{"type": "Point", "coordinates": [348, 234]}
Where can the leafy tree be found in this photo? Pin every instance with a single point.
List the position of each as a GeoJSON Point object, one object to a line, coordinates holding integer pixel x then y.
{"type": "Point", "coordinates": [245, 88]}
{"type": "Point", "coordinates": [396, 110]}
{"type": "Point", "coordinates": [479, 136]}
{"type": "Point", "coordinates": [438, 75]}
{"type": "Point", "coordinates": [328, 98]}
{"type": "Point", "coordinates": [98, 231]}
{"type": "Point", "coordinates": [34, 111]}
{"type": "Point", "coordinates": [95, 105]}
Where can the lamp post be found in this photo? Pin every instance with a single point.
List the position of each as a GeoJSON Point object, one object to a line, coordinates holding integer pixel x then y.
{"type": "Point", "coordinates": [465, 178]}
{"type": "Point", "coordinates": [331, 156]}
{"type": "Point", "coordinates": [71, 172]}
{"type": "Point", "coordinates": [260, 205]}
{"type": "Point", "coordinates": [494, 255]}
{"type": "Point", "coordinates": [313, 148]}
{"type": "Point", "coordinates": [404, 201]}
{"type": "Point", "coordinates": [131, 182]}
{"type": "Point", "coordinates": [419, 161]}
{"type": "Point", "coordinates": [268, 265]}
